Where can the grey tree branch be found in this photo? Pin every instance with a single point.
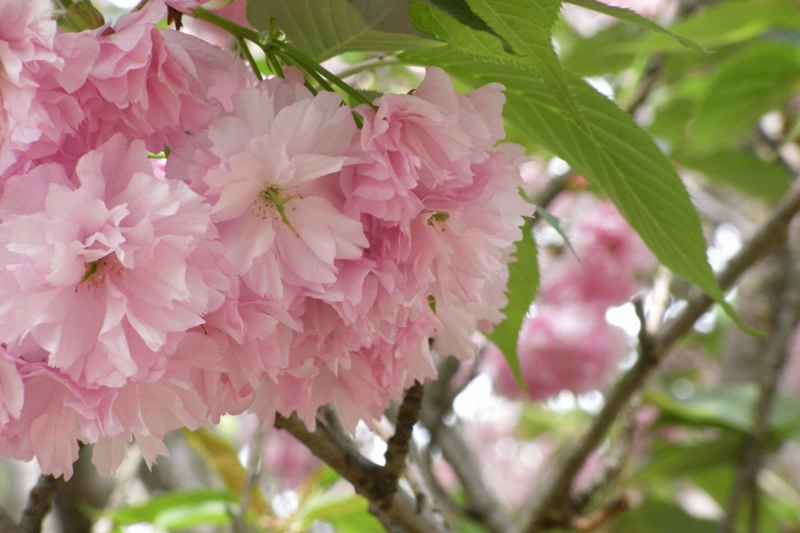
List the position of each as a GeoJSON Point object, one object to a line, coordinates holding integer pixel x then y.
{"type": "Point", "coordinates": [397, 510]}
{"type": "Point", "coordinates": [553, 493]}
{"type": "Point", "coordinates": [39, 504]}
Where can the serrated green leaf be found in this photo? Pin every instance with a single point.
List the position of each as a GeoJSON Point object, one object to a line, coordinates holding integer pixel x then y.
{"type": "Point", "coordinates": [742, 170]}
{"type": "Point", "coordinates": [460, 10]}
{"type": "Point", "coordinates": [527, 26]}
{"type": "Point", "coordinates": [325, 28]}
{"type": "Point", "coordinates": [620, 158]}
{"type": "Point", "coordinates": [761, 77]}
{"type": "Point", "coordinates": [523, 283]}
{"type": "Point", "coordinates": [465, 39]}
{"type": "Point", "coordinates": [634, 18]}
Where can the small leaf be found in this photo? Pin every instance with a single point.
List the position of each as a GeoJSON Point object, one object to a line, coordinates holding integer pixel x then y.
{"type": "Point", "coordinates": [80, 16]}
{"type": "Point", "coordinates": [634, 18]}
{"type": "Point", "coordinates": [220, 457]}
{"type": "Point", "coordinates": [150, 511]}
{"type": "Point", "coordinates": [326, 28]}
{"type": "Point", "coordinates": [522, 285]}
{"type": "Point", "coordinates": [551, 219]}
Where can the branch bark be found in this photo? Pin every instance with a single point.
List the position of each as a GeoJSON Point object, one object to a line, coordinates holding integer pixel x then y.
{"type": "Point", "coordinates": [395, 508]}
{"type": "Point", "coordinates": [39, 504]}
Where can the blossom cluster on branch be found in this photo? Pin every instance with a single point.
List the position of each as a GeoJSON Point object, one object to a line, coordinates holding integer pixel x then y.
{"type": "Point", "coordinates": [289, 251]}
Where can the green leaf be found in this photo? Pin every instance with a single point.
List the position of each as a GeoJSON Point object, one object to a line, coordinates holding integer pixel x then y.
{"type": "Point", "coordinates": [527, 26]}
{"type": "Point", "coordinates": [347, 514]}
{"type": "Point", "coordinates": [220, 457]}
{"type": "Point", "coordinates": [744, 87]}
{"type": "Point", "coordinates": [657, 516]}
{"type": "Point", "coordinates": [728, 408]}
{"type": "Point", "coordinates": [465, 39]}
{"type": "Point", "coordinates": [675, 459]}
{"type": "Point", "coordinates": [193, 515]}
{"type": "Point", "coordinates": [79, 16]}
{"type": "Point", "coordinates": [460, 10]}
{"type": "Point", "coordinates": [325, 28]}
{"type": "Point", "coordinates": [619, 157]}
{"type": "Point", "coordinates": [672, 119]}
{"type": "Point", "coordinates": [601, 53]}
{"type": "Point", "coordinates": [634, 18]}
{"type": "Point", "coordinates": [556, 225]}
{"type": "Point", "coordinates": [742, 170]}
{"type": "Point", "coordinates": [150, 511]}
{"type": "Point", "coordinates": [522, 285]}
{"type": "Point", "coordinates": [723, 24]}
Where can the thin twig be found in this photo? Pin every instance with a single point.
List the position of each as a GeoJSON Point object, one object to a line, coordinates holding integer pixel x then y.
{"type": "Point", "coordinates": [397, 447]}
{"type": "Point", "coordinates": [553, 492]}
{"type": "Point", "coordinates": [253, 473]}
{"type": "Point", "coordinates": [333, 446]}
{"type": "Point", "coordinates": [39, 504]}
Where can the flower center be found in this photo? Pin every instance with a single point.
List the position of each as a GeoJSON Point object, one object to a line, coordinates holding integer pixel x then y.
{"type": "Point", "coordinates": [272, 196]}
{"type": "Point", "coordinates": [96, 272]}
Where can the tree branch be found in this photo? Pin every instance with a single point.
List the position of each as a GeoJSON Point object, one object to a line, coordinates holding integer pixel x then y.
{"type": "Point", "coordinates": [39, 504]}
{"type": "Point", "coordinates": [553, 494]}
{"type": "Point", "coordinates": [397, 447]}
{"type": "Point", "coordinates": [330, 443]}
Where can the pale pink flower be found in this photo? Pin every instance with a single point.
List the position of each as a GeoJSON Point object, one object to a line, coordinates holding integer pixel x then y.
{"type": "Point", "coordinates": [35, 78]}
{"type": "Point", "coordinates": [282, 227]}
{"type": "Point", "coordinates": [55, 416]}
{"type": "Point", "coordinates": [561, 348]}
{"type": "Point", "coordinates": [11, 388]}
{"type": "Point", "coordinates": [153, 84]}
{"type": "Point", "coordinates": [135, 254]}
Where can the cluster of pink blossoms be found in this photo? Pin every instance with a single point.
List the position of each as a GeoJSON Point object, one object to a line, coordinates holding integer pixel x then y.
{"type": "Point", "coordinates": [567, 344]}
{"type": "Point", "coordinates": [282, 259]}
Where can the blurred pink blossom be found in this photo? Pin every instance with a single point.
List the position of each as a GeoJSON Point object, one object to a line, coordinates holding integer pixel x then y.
{"type": "Point", "coordinates": [562, 348]}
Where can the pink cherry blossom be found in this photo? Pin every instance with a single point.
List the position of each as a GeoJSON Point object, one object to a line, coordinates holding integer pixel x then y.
{"type": "Point", "coordinates": [281, 225]}
{"type": "Point", "coordinates": [612, 257]}
{"type": "Point", "coordinates": [136, 255]}
{"type": "Point", "coordinates": [153, 84]}
{"type": "Point", "coordinates": [561, 348]}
